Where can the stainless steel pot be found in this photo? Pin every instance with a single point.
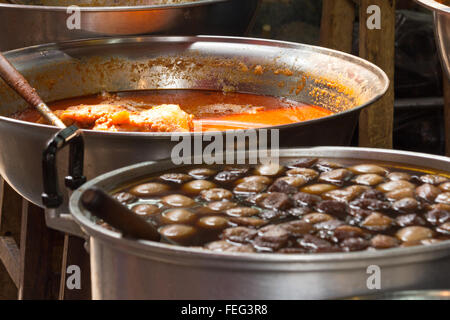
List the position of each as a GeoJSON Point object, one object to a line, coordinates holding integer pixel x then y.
{"type": "Point", "coordinates": [441, 14]}
{"type": "Point", "coordinates": [324, 77]}
{"type": "Point", "coordinates": [127, 269]}
{"type": "Point", "coordinates": [26, 25]}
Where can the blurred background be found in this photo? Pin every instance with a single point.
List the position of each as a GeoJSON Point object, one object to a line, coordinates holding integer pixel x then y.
{"type": "Point", "coordinates": [418, 122]}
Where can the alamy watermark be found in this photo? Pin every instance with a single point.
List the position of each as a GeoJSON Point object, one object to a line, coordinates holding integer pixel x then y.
{"type": "Point", "coordinates": [374, 280]}
{"type": "Point", "coordinates": [253, 146]}
{"type": "Point", "coordinates": [73, 280]}
{"type": "Point", "coordinates": [73, 21]}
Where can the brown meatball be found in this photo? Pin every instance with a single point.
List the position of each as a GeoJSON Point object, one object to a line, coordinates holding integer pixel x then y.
{"type": "Point", "coordinates": [216, 194]}
{"type": "Point", "coordinates": [177, 178]}
{"type": "Point", "coordinates": [302, 199]}
{"type": "Point", "coordinates": [178, 232]}
{"type": "Point", "coordinates": [428, 192]}
{"type": "Point", "coordinates": [307, 174]}
{"type": "Point", "coordinates": [283, 186]}
{"type": "Point", "coordinates": [304, 163]}
{"type": "Point", "coordinates": [150, 189]}
{"type": "Point", "coordinates": [381, 241]}
{"type": "Point", "coordinates": [213, 222]}
{"type": "Point", "coordinates": [248, 221]}
{"type": "Point", "coordinates": [202, 173]}
{"type": "Point", "coordinates": [258, 179]}
{"type": "Point", "coordinates": [277, 201]}
{"type": "Point", "coordinates": [145, 209]}
{"type": "Point", "coordinates": [346, 232]}
{"type": "Point", "coordinates": [368, 168]}
{"type": "Point", "coordinates": [239, 234]}
{"type": "Point", "coordinates": [445, 186]}
{"type": "Point", "coordinates": [377, 221]}
{"type": "Point", "coordinates": [443, 198]}
{"type": "Point", "coordinates": [125, 197]}
{"type": "Point", "coordinates": [196, 186]}
{"type": "Point", "coordinates": [242, 212]}
{"type": "Point", "coordinates": [297, 228]}
{"type": "Point", "coordinates": [181, 216]}
{"type": "Point", "coordinates": [271, 237]}
{"type": "Point", "coordinates": [316, 244]}
{"type": "Point", "coordinates": [395, 176]}
{"type": "Point", "coordinates": [318, 188]}
{"type": "Point", "coordinates": [369, 179]}
{"type": "Point", "coordinates": [347, 194]}
{"type": "Point", "coordinates": [395, 195]}
{"type": "Point", "coordinates": [338, 176]}
{"type": "Point", "coordinates": [316, 217]}
{"type": "Point", "coordinates": [406, 205]}
{"type": "Point", "coordinates": [178, 200]}
{"type": "Point", "coordinates": [249, 187]}
{"type": "Point", "coordinates": [354, 244]}
{"type": "Point", "coordinates": [433, 179]}
{"type": "Point", "coordinates": [414, 233]}
{"type": "Point", "coordinates": [324, 165]}
{"type": "Point", "coordinates": [444, 228]}
{"type": "Point", "coordinates": [221, 206]}
{"type": "Point", "coordinates": [395, 185]}
{"type": "Point", "coordinates": [270, 170]}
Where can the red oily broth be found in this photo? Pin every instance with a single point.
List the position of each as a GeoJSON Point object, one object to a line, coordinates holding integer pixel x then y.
{"type": "Point", "coordinates": [214, 110]}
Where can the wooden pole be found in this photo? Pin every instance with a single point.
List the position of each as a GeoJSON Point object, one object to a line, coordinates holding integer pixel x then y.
{"type": "Point", "coordinates": [446, 82]}
{"type": "Point", "coordinates": [336, 30]}
{"type": "Point", "coordinates": [10, 215]}
{"type": "Point", "coordinates": [41, 255]}
{"type": "Point", "coordinates": [377, 46]}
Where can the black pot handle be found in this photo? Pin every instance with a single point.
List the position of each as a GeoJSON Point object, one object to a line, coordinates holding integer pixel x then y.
{"type": "Point", "coordinates": [52, 197]}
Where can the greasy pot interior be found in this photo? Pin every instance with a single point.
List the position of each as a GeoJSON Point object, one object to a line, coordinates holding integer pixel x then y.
{"type": "Point", "coordinates": [335, 81]}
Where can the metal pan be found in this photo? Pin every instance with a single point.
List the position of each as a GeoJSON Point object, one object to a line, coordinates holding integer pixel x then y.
{"type": "Point", "coordinates": [26, 25]}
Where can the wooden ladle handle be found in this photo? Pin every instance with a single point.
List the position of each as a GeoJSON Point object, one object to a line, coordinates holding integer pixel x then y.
{"type": "Point", "coordinates": [18, 83]}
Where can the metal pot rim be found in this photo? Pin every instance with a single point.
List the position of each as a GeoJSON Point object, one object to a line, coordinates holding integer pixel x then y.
{"type": "Point", "coordinates": [142, 247]}
{"type": "Point", "coordinates": [113, 9]}
{"type": "Point", "coordinates": [435, 6]}
{"type": "Point", "coordinates": [236, 40]}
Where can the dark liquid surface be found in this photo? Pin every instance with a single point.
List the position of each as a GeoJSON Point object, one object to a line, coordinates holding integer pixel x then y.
{"type": "Point", "coordinates": [335, 220]}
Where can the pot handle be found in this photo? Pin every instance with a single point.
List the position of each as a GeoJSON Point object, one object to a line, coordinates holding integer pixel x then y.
{"type": "Point", "coordinates": [71, 136]}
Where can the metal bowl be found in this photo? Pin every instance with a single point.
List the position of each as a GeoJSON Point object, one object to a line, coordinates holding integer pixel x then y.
{"type": "Point", "coordinates": [334, 80]}
{"type": "Point", "coordinates": [441, 15]}
{"type": "Point", "coordinates": [160, 271]}
{"type": "Point", "coordinates": [26, 25]}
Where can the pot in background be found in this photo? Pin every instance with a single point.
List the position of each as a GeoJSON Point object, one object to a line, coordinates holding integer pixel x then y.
{"type": "Point", "coordinates": [27, 25]}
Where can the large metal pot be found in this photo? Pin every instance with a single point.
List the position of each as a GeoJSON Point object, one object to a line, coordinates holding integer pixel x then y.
{"type": "Point", "coordinates": [128, 269]}
{"type": "Point", "coordinates": [26, 25]}
{"type": "Point", "coordinates": [324, 77]}
{"type": "Point", "coordinates": [441, 14]}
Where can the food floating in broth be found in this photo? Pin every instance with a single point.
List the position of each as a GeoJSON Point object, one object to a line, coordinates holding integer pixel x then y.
{"type": "Point", "coordinates": [177, 111]}
{"type": "Point", "coordinates": [300, 206]}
